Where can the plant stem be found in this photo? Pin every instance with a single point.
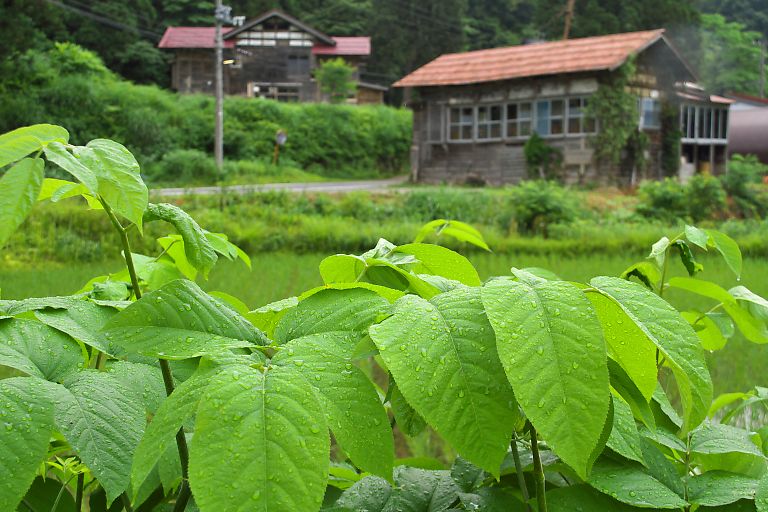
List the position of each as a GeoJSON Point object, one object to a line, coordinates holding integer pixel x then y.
{"type": "Point", "coordinates": [520, 475]}
{"type": "Point", "coordinates": [181, 441]}
{"type": "Point", "coordinates": [79, 493]}
{"type": "Point", "coordinates": [538, 472]}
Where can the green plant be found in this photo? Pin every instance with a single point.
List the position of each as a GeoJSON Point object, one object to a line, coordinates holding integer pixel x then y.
{"type": "Point", "coordinates": [335, 77]}
{"type": "Point", "coordinates": [743, 183]}
{"type": "Point", "coordinates": [706, 197]}
{"type": "Point", "coordinates": [547, 389]}
{"type": "Point", "coordinates": [538, 204]}
{"type": "Point", "coordinates": [666, 200]}
{"type": "Point", "coordinates": [542, 160]}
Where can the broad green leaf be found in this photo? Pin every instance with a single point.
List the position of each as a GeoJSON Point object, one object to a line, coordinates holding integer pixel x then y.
{"type": "Point", "coordinates": [686, 256]}
{"type": "Point", "coordinates": [103, 421]}
{"type": "Point", "coordinates": [724, 400]}
{"type": "Point", "coordinates": [407, 419]}
{"type": "Point", "coordinates": [221, 244]}
{"type": "Point", "coordinates": [442, 356]}
{"type": "Point", "coordinates": [453, 228]}
{"type": "Point", "coordinates": [728, 248]}
{"type": "Point", "coordinates": [624, 438]}
{"type": "Point", "coordinates": [629, 484]}
{"type": "Point", "coordinates": [715, 488]}
{"type": "Point", "coordinates": [727, 448]}
{"type": "Point", "coordinates": [173, 246]}
{"type": "Point", "coordinates": [19, 188]}
{"type": "Point", "coordinates": [439, 261]}
{"type": "Point", "coordinates": [388, 293]}
{"type": "Point", "coordinates": [664, 410]}
{"type": "Point", "coordinates": [180, 321]}
{"type": "Point", "coordinates": [757, 305]}
{"type": "Point", "coordinates": [273, 432]}
{"type": "Point", "coordinates": [83, 321]}
{"type": "Point", "coordinates": [493, 499]}
{"type": "Point", "coordinates": [231, 301]}
{"type": "Point", "coordinates": [622, 384]}
{"type": "Point", "coordinates": [38, 350]}
{"type": "Point", "coordinates": [267, 317]}
{"type": "Point", "coordinates": [58, 154]}
{"type": "Point", "coordinates": [117, 172]}
{"type": "Point", "coordinates": [696, 236]}
{"type": "Point", "coordinates": [18, 307]}
{"type": "Point", "coordinates": [352, 406]}
{"type": "Point", "coordinates": [18, 143]}
{"type": "Point", "coordinates": [659, 251]}
{"type": "Point", "coordinates": [350, 310]}
{"type": "Point", "coordinates": [582, 498]}
{"type": "Point", "coordinates": [166, 422]}
{"type": "Point", "coordinates": [648, 273]}
{"type": "Point", "coordinates": [553, 352]}
{"type": "Point", "coordinates": [627, 344]}
{"type": "Point", "coordinates": [466, 475]}
{"type": "Point", "coordinates": [155, 272]}
{"type": "Point", "coordinates": [703, 288]}
{"type": "Point", "coordinates": [146, 381]}
{"type": "Point", "coordinates": [761, 494]}
{"type": "Point", "coordinates": [56, 189]}
{"type": "Point", "coordinates": [416, 490]}
{"type": "Point", "coordinates": [197, 247]}
{"type": "Point", "coordinates": [26, 414]}
{"type": "Point", "coordinates": [659, 466]}
{"type": "Point", "coordinates": [675, 339]}
{"type": "Point", "coordinates": [706, 329]}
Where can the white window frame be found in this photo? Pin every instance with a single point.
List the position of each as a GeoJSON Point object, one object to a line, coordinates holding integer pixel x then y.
{"type": "Point", "coordinates": [655, 108]}
{"type": "Point", "coordinates": [461, 123]}
{"type": "Point", "coordinates": [489, 123]}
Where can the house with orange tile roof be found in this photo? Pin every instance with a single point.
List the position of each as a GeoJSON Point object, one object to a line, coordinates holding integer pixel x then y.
{"type": "Point", "coordinates": [474, 111]}
{"type": "Point", "coordinates": [272, 56]}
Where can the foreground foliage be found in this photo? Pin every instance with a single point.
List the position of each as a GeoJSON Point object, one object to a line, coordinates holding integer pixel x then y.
{"type": "Point", "coordinates": [557, 395]}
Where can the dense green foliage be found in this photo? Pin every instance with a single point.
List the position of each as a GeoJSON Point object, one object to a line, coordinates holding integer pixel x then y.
{"type": "Point", "coordinates": [554, 393]}
{"type": "Point", "coordinates": [335, 79]}
{"type": "Point", "coordinates": [330, 140]}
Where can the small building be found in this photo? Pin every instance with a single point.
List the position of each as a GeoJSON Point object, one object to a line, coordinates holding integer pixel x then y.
{"type": "Point", "coordinates": [749, 126]}
{"type": "Point", "coordinates": [474, 111]}
{"type": "Point", "coordinates": [271, 56]}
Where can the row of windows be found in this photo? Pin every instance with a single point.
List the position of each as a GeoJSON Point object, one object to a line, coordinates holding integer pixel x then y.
{"type": "Point", "coordinates": [703, 122]}
{"type": "Point", "coordinates": [545, 117]}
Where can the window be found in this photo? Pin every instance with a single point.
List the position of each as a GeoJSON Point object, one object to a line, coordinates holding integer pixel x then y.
{"type": "Point", "coordinates": [650, 113]}
{"type": "Point", "coordinates": [461, 123]}
{"type": "Point", "coordinates": [298, 65]}
{"type": "Point", "coordinates": [578, 121]}
{"type": "Point", "coordinates": [519, 119]}
{"type": "Point", "coordinates": [549, 117]}
{"type": "Point", "coordinates": [489, 122]}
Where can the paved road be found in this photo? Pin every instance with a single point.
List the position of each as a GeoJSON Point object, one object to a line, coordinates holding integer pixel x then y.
{"type": "Point", "coordinates": [326, 186]}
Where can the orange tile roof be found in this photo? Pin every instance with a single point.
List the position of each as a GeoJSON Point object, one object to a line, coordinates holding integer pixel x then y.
{"type": "Point", "coordinates": [573, 55]}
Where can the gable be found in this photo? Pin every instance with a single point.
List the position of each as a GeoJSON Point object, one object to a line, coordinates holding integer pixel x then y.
{"type": "Point", "coordinates": [275, 28]}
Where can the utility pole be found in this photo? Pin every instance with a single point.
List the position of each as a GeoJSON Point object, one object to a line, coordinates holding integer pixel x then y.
{"type": "Point", "coordinates": [222, 15]}
{"type": "Point", "coordinates": [568, 18]}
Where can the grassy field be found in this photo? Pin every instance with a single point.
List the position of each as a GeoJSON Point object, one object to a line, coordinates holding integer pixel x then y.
{"type": "Point", "coordinates": [277, 275]}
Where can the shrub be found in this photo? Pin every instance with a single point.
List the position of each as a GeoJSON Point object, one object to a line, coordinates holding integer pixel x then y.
{"type": "Point", "coordinates": [538, 204]}
{"type": "Point", "coordinates": [743, 182]}
{"type": "Point", "coordinates": [335, 78]}
{"type": "Point", "coordinates": [665, 200]}
{"type": "Point", "coordinates": [706, 197]}
{"type": "Point", "coordinates": [187, 165]}
{"type": "Point", "coordinates": [542, 160]}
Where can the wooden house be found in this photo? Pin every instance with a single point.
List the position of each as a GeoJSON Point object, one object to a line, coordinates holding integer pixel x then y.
{"type": "Point", "coordinates": [271, 56]}
{"type": "Point", "coordinates": [474, 111]}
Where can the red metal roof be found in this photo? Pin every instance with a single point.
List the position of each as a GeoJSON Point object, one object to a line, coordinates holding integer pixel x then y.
{"type": "Point", "coordinates": [345, 46]}
{"type": "Point", "coordinates": [192, 37]}
{"type": "Point", "coordinates": [573, 55]}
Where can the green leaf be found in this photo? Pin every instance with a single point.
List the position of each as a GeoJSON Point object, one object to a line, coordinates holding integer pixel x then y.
{"type": "Point", "coordinates": [173, 247]}
{"type": "Point", "coordinates": [82, 320]}
{"type": "Point", "coordinates": [493, 499]}
{"type": "Point", "coordinates": [56, 190]}
{"type": "Point", "coordinates": [221, 244]}
{"type": "Point", "coordinates": [625, 439]}
{"type": "Point", "coordinates": [715, 488]}
{"type": "Point", "coordinates": [57, 153]}
{"type": "Point", "coordinates": [633, 486]}
{"type": "Point", "coordinates": [415, 490]}
{"type": "Point", "coordinates": [442, 355]}
{"type": "Point", "coordinates": [466, 475]}
{"type": "Point", "coordinates": [647, 273]}
{"type": "Point", "coordinates": [103, 421]}
{"type": "Point", "coordinates": [117, 173]}
{"type": "Point", "coordinates": [180, 321]}
{"type": "Point", "coordinates": [757, 305]}
{"type": "Point", "coordinates": [38, 350]}
{"type": "Point", "coordinates": [18, 307]}
{"type": "Point", "coordinates": [697, 236]}
{"type": "Point", "coordinates": [439, 261]}
{"type": "Point", "coordinates": [624, 386]}
{"type": "Point", "coordinates": [408, 420]}
{"type": "Point", "coordinates": [19, 188]}
{"type": "Point", "coordinates": [582, 498]}
{"type": "Point", "coordinates": [267, 317]}
{"type": "Point", "coordinates": [18, 143]}
{"type": "Point", "coordinates": [352, 406]}
{"type": "Point", "coordinates": [42, 495]}
{"type": "Point", "coordinates": [197, 247]}
{"type": "Point", "coordinates": [388, 293]}
{"type": "Point", "coordinates": [686, 256]}
{"type": "Point", "coordinates": [727, 448]}
{"type": "Point", "coordinates": [273, 432]}
{"type": "Point", "coordinates": [453, 228]}
{"type": "Point", "coordinates": [553, 352]}
{"type": "Point", "coordinates": [728, 248]}
{"type": "Point", "coordinates": [675, 339]}
{"type": "Point", "coordinates": [761, 494]}
{"type": "Point", "coordinates": [146, 381]}
{"type": "Point", "coordinates": [706, 329]}
{"type": "Point", "coordinates": [725, 399]}
{"type": "Point", "coordinates": [231, 301]}
{"type": "Point", "coordinates": [659, 251]}
{"type": "Point", "coordinates": [659, 466]}
{"type": "Point", "coordinates": [350, 310]}
{"type": "Point", "coordinates": [627, 344]}
{"type": "Point", "coordinates": [26, 422]}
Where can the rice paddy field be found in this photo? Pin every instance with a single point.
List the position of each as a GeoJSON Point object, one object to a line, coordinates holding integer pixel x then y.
{"type": "Point", "coordinates": [739, 366]}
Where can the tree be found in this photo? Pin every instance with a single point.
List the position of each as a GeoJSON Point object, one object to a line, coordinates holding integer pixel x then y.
{"type": "Point", "coordinates": [729, 59]}
{"type": "Point", "coordinates": [335, 78]}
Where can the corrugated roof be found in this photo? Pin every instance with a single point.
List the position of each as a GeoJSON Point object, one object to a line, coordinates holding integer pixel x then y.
{"type": "Point", "coordinates": [192, 37]}
{"type": "Point", "coordinates": [570, 56]}
{"type": "Point", "coordinates": [345, 46]}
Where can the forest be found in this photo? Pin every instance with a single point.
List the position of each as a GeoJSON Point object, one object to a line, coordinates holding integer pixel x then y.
{"type": "Point", "coordinates": [720, 38]}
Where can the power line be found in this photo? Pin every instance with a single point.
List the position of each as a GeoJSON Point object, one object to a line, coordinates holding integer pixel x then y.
{"type": "Point", "coordinates": [107, 21]}
{"type": "Point", "coordinates": [88, 7]}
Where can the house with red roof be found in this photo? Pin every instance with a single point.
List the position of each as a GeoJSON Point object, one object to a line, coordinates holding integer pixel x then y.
{"type": "Point", "coordinates": [271, 56]}
{"type": "Point", "coordinates": [475, 111]}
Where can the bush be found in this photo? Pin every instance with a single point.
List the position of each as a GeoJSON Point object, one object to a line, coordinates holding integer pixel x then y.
{"type": "Point", "coordinates": [743, 182]}
{"type": "Point", "coordinates": [664, 200]}
{"type": "Point", "coordinates": [538, 204]}
{"type": "Point", "coordinates": [706, 197]}
{"type": "Point", "coordinates": [542, 160]}
{"type": "Point", "coordinates": [186, 165]}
